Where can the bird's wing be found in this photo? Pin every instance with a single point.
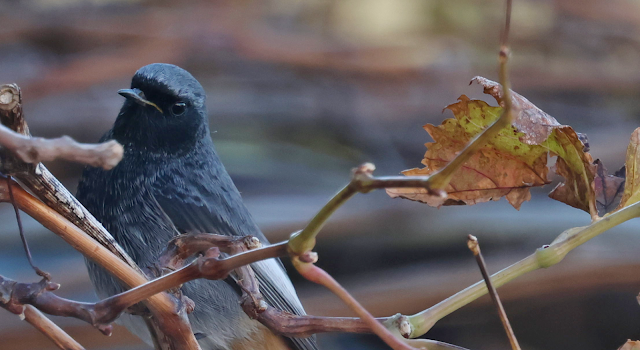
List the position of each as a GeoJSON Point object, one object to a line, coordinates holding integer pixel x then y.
{"type": "Point", "coordinates": [201, 197]}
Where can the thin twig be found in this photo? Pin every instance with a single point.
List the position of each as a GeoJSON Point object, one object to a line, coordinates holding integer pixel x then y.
{"type": "Point", "coordinates": [34, 150]}
{"type": "Point", "coordinates": [362, 181]}
{"type": "Point", "coordinates": [25, 245]}
{"type": "Point", "coordinates": [504, 37]}
{"type": "Point", "coordinates": [319, 276]}
{"type": "Point", "coordinates": [544, 257]}
{"type": "Point", "coordinates": [14, 296]}
{"type": "Point", "coordinates": [474, 246]}
{"type": "Point", "coordinates": [207, 266]}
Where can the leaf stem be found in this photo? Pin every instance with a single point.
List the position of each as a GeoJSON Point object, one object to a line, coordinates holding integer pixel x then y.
{"type": "Point", "coordinates": [305, 240]}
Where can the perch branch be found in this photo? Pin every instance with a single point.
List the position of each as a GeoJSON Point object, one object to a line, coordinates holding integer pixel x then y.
{"type": "Point", "coordinates": [184, 246]}
{"type": "Point", "coordinates": [14, 296]}
{"type": "Point", "coordinates": [208, 266]}
{"type": "Point", "coordinates": [89, 237]}
{"type": "Point", "coordinates": [163, 306]}
{"type": "Point", "coordinates": [34, 150]}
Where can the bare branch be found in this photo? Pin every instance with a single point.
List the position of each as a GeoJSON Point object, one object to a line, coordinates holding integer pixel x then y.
{"type": "Point", "coordinates": [318, 275]}
{"type": "Point", "coordinates": [208, 266]}
{"type": "Point", "coordinates": [34, 150]}
{"type": "Point", "coordinates": [474, 246]}
{"type": "Point", "coordinates": [14, 296]}
{"type": "Point", "coordinates": [170, 316]}
{"type": "Point", "coordinates": [303, 326]}
{"type": "Point", "coordinates": [170, 321]}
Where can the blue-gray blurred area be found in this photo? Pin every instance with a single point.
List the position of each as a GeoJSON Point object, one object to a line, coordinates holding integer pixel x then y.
{"type": "Point", "coordinates": [300, 92]}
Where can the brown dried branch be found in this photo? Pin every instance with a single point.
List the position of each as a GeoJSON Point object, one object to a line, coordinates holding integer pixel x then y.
{"type": "Point", "coordinates": [208, 266]}
{"type": "Point", "coordinates": [15, 295]}
{"type": "Point", "coordinates": [41, 182]}
{"type": "Point", "coordinates": [167, 310]}
{"type": "Point", "coordinates": [474, 246]}
{"type": "Point", "coordinates": [291, 325]}
{"type": "Point", "coordinates": [319, 276]}
{"type": "Point", "coordinates": [34, 150]}
{"type": "Point", "coordinates": [61, 211]}
{"type": "Point", "coordinates": [50, 329]}
{"type": "Point", "coordinates": [183, 247]}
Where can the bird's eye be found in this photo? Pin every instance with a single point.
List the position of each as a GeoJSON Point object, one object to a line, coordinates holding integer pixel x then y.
{"type": "Point", "coordinates": [178, 108]}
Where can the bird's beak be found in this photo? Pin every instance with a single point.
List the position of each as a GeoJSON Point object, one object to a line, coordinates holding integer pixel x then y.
{"type": "Point", "coordinates": [137, 96]}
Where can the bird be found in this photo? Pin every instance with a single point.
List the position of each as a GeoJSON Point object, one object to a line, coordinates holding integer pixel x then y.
{"type": "Point", "coordinates": [171, 181]}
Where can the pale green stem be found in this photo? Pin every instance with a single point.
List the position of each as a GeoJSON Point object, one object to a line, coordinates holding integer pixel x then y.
{"type": "Point", "coordinates": [303, 241]}
{"type": "Point", "coordinates": [542, 258]}
{"type": "Point", "coordinates": [362, 182]}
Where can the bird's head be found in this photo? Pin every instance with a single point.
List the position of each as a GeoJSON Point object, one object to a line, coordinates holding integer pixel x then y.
{"type": "Point", "coordinates": [164, 110]}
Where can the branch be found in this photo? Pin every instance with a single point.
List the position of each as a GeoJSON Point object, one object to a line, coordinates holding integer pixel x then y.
{"type": "Point", "coordinates": [34, 150]}
{"type": "Point", "coordinates": [89, 237]}
{"type": "Point", "coordinates": [474, 246]}
{"type": "Point", "coordinates": [362, 181]}
{"type": "Point", "coordinates": [14, 296]}
{"type": "Point", "coordinates": [164, 307]}
{"type": "Point", "coordinates": [318, 275]}
{"type": "Point", "coordinates": [41, 182]}
{"type": "Point", "coordinates": [208, 266]}
{"type": "Point", "coordinates": [291, 325]}
{"type": "Point", "coordinates": [544, 257]}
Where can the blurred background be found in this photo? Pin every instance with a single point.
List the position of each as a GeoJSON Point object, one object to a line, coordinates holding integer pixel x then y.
{"type": "Point", "coordinates": [300, 92]}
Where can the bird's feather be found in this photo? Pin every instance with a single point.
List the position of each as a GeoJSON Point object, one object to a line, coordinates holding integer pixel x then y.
{"type": "Point", "coordinates": [200, 197]}
{"type": "Point", "coordinates": [170, 181]}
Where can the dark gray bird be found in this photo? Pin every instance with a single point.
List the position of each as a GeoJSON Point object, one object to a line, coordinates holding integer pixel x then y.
{"type": "Point", "coordinates": [171, 181]}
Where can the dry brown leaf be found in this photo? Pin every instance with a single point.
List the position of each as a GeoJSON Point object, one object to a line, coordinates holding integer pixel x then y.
{"type": "Point", "coordinates": [576, 167]}
{"type": "Point", "coordinates": [609, 188]}
{"type": "Point", "coordinates": [510, 163]}
{"type": "Point", "coordinates": [503, 167]}
{"type": "Point", "coordinates": [536, 125]}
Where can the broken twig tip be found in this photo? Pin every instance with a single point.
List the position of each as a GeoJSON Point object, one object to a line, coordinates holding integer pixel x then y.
{"type": "Point", "coordinates": [405, 327]}
{"type": "Point", "coordinates": [309, 257]}
{"type": "Point", "coordinates": [9, 96]}
{"type": "Point", "coordinates": [472, 243]}
{"type": "Point", "coordinates": [366, 169]}
{"type": "Point", "coordinates": [252, 243]}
